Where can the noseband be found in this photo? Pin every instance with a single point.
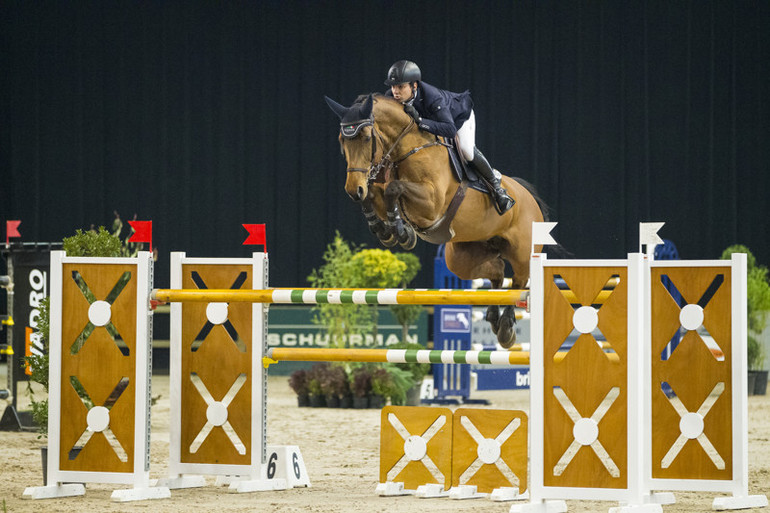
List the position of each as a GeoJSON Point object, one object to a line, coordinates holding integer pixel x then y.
{"type": "Point", "coordinates": [350, 131]}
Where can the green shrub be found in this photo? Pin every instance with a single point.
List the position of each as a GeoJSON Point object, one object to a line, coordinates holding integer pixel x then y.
{"type": "Point", "coordinates": [417, 371]}
{"type": "Point", "coordinates": [392, 383]}
{"type": "Point", "coordinates": [758, 300]}
{"type": "Point", "coordinates": [339, 320]}
{"type": "Point", "coordinates": [99, 243]}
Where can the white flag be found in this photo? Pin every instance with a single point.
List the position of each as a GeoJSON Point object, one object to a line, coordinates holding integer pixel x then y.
{"type": "Point", "coordinates": [648, 236]}
{"type": "Point", "coordinates": [541, 234]}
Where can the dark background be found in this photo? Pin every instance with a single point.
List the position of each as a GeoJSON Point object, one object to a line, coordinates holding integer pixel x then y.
{"type": "Point", "coordinates": [203, 115]}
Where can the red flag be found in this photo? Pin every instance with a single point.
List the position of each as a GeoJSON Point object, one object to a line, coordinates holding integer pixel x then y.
{"type": "Point", "coordinates": [11, 230]}
{"type": "Point", "coordinates": [256, 235]}
{"type": "Point", "coordinates": [142, 232]}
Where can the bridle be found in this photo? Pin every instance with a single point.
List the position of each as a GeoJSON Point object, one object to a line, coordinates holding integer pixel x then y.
{"type": "Point", "coordinates": [350, 131]}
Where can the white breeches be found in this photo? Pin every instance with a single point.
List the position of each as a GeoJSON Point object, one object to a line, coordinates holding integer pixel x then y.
{"type": "Point", "coordinates": [466, 137]}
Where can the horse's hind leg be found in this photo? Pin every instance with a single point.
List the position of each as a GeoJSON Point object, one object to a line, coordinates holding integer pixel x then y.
{"type": "Point", "coordinates": [506, 326]}
{"type": "Point", "coordinates": [470, 260]}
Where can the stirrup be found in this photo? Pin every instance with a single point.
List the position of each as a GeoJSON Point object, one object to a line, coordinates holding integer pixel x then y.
{"type": "Point", "coordinates": [505, 199]}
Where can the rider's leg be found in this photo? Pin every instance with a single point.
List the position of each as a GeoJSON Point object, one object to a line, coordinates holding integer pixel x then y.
{"type": "Point", "coordinates": [482, 167]}
{"type": "Point", "coordinates": [466, 136]}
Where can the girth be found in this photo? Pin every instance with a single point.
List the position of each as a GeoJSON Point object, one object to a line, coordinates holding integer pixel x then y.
{"type": "Point", "coordinates": [441, 232]}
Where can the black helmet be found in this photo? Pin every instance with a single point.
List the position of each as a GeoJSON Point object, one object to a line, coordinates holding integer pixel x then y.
{"type": "Point", "coordinates": [403, 71]}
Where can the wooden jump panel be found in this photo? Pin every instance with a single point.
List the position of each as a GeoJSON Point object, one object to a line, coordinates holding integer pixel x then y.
{"type": "Point", "coordinates": [694, 374]}
{"type": "Point", "coordinates": [98, 363]}
{"type": "Point", "coordinates": [584, 379]}
{"type": "Point", "coordinates": [210, 352]}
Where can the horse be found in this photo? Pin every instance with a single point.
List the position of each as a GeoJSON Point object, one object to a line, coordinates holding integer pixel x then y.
{"type": "Point", "coordinates": [402, 178]}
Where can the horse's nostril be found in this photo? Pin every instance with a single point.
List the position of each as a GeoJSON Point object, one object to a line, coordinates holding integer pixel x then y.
{"type": "Point", "coordinates": [360, 193]}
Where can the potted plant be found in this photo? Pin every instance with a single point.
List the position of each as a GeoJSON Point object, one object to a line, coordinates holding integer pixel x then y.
{"type": "Point", "coordinates": [395, 385]}
{"type": "Point", "coordinates": [416, 371]}
{"type": "Point", "coordinates": [361, 385]}
{"type": "Point", "coordinates": [754, 358]}
{"type": "Point", "coordinates": [315, 376]}
{"type": "Point", "coordinates": [382, 386]}
{"type": "Point", "coordinates": [758, 299]}
{"type": "Point", "coordinates": [334, 385]}
{"type": "Point", "coordinates": [298, 383]}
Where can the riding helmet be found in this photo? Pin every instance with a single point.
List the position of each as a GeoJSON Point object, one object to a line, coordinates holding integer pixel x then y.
{"type": "Point", "coordinates": [403, 71]}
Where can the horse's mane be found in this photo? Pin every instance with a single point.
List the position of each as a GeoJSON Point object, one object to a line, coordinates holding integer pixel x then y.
{"type": "Point", "coordinates": [386, 104]}
{"type": "Point", "coordinates": [376, 97]}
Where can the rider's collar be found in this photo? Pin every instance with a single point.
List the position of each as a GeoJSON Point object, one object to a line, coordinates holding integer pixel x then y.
{"type": "Point", "coordinates": [411, 100]}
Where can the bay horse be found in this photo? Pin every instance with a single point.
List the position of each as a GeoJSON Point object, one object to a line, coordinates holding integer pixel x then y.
{"type": "Point", "coordinates": [402, 178]}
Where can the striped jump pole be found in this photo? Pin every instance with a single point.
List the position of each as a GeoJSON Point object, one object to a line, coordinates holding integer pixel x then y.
{"type": "Point", "coordinates": [347, 296]}
{"type": "Point", "coordinates": [278, 354]}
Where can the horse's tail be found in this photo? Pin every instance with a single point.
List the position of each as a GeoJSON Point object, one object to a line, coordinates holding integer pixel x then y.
{"type": "Point", "coordinates": [544, 208]}
{"type": "Point", "coordinates": [558, 249]}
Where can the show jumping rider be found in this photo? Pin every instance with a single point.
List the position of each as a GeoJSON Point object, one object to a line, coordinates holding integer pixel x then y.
{"type": "Point", "coordinates": [447, 114]}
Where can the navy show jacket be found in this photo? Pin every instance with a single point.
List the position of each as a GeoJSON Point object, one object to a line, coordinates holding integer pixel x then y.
{"type": "Point", "coordinates": [442, 112]}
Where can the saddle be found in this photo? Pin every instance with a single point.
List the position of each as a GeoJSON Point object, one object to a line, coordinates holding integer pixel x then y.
{"type": "Point", "coordinates": [461, 170]}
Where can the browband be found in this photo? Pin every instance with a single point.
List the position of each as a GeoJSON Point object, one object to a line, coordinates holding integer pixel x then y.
{"type": "Point", "coordinates": [351, 129]}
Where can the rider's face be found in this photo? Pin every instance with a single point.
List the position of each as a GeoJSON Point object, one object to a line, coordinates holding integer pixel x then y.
{"type": "Point", "coordinates": [402, 92]}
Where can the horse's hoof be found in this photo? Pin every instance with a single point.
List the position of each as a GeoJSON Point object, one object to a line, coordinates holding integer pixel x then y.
{"type": "Point", "coordinates": [506, 333]}
{"type": "Point", "coordinates": [411, 239]}
{"type": "Point", "coordinates": [378, 231]}
{"type": "Point", "coordinates": [390, 241]}
{"type": "Point", "coordinates": [493, 317]}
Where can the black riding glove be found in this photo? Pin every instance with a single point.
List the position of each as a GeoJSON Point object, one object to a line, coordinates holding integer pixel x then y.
{"type": "Point", "coordinates": [409, 109]}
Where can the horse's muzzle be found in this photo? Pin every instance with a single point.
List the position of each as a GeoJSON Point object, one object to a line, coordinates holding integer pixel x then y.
{"type": "Point", "coordinates": [359, 194]}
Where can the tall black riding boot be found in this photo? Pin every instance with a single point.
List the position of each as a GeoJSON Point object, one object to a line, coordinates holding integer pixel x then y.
{"type": "Point", "coordinates": [503, 202]}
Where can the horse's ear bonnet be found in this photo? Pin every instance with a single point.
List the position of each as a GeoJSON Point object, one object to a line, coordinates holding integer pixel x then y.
{"type": "Point", "coordinates": [352, 118]}
{"type": "Point", "coordinates": [338, 109]}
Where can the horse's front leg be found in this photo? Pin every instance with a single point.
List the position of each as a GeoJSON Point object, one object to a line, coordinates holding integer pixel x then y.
{"type": "Point", "coordinates": [404, 232]}
{"type": "Point", "coordinates": [377, 225]}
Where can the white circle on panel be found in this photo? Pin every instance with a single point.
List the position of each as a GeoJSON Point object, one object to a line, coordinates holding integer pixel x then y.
{"type": "Point", "coordinates": [415, 448]}
{"type": "Point", "coordinates": [216, 413]}
{"type": "Point", "coordinates": [98, 418]}
{"type": "Point", "coordinates": [691, 317]}
{"type": "Point", "coordinates": [691, 425]}
{"type": "Point", "coordinates": [99, 313]}
{"type": "Point", "coordinates": [216, 313]}
{"type": "Point", "coordinates": [586, 431]}
{"type": "Point", "coordinates": [488, 451]}
{"type": "Point", "coordinates": [585, 319]}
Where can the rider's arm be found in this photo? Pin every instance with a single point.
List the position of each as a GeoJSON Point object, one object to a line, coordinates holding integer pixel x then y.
{"type": "Point", "coordinates": [438, 121]}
